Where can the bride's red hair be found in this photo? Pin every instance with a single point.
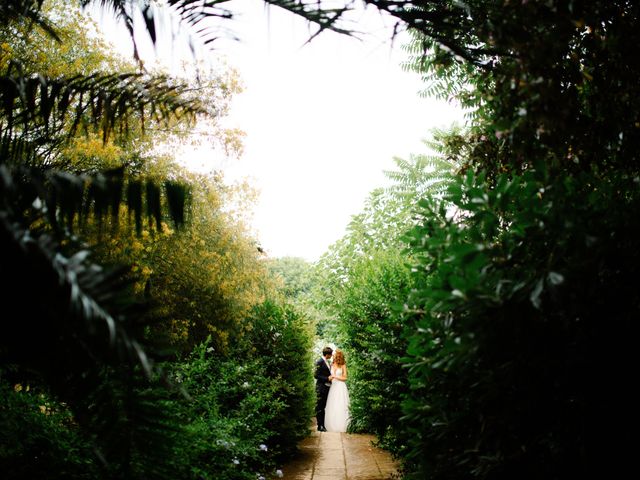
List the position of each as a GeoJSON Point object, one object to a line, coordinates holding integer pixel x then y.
{"type": "Point", "coordinates": [338, 358]}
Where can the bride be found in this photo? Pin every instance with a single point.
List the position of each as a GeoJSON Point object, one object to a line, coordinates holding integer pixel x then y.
{"type": "Point", "coordinates": [337, 409]}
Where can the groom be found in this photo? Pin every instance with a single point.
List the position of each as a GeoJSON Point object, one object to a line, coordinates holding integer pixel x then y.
{"type": "Point", "coordinates": [323, 382]}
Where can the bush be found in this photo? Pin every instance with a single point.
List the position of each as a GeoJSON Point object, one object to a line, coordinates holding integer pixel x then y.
{"type": "Point", "coordinates": [525, 313]}
{"type": "Point", "coordinates": [236, 415]}
{"type": "Point", "coordinates": [369, 322]}
{"type": "Point", "coordinates": [281, 339]}
{"type": "Point", "coordinates": [227, 417]}
{"type": "Point", "coordinates": [250, 407]}
{"type": "Point", "coordinates": [38, 438]}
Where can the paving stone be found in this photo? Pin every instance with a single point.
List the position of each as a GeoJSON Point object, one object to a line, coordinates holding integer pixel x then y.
{"type": "Point", "coordinates": [364, 470]}
{"type": "Point", "coordinates": [359, 464]}
{"type": "Point", "coordinates": [298, 475]}
{"type": "Point", "coordinates": [333, 470]}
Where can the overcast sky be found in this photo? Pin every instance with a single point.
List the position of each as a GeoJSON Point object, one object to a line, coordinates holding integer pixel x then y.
{"type": "Point", "coordinates": [323, 121]}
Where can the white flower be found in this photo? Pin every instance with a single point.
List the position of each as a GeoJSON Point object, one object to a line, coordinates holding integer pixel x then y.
{"type": "Point", "coordinates": [236, 461]}
{"type": "Point", "coordinates": [279, 473]}
{"type": "Point", "coordinates": [245, 385]}
{"type": "Point", "coordinates": [260, 477]}
{"type": "Point", "coordinates": [263, 447]}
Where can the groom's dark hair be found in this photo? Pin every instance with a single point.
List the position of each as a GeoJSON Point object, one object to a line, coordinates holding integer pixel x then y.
{"type": "Point", "coordinates": [327, 351]}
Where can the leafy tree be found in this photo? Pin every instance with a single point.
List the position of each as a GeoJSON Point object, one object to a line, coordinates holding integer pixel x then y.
{"type": "Point", "coordinates": [370, 331]}
{"type": "Point", "coordinates": [389, 212]}
{"type": "Point", "coordinates": [205, 280]}
{"type": "Point", "coordinates": [295, 274]}
{"type": "Point", "coordinates": [535, 70]}
{"type": "Point", "coordinates": [76, 49]}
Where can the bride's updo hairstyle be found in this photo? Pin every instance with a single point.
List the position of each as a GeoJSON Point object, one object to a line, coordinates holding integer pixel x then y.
{"type": "Point", "coordinates": [338, 357]}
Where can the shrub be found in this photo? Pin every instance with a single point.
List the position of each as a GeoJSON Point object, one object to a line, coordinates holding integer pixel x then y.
{"type": "Point", "coordinates": [369, 322]}
{"type": "Point", "coordinates": [38, 438]}
{"type": "Point", "coordinates": [250, 407]}
{"type": "Point", "coordinates": [281, 339]}
{"type": "Point", "coordinates": [525, 312]}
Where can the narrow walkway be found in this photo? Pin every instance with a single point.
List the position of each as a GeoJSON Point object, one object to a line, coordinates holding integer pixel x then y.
{"type": "Point", "coordinates": [340, 456]}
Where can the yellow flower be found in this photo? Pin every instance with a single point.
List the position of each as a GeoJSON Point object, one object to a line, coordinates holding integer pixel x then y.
{"type": "Point", "coordinates": [166, 229]}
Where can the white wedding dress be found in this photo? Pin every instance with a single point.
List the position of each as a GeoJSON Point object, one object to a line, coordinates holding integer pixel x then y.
{"type": "Point", "coordinates": [336, 413]}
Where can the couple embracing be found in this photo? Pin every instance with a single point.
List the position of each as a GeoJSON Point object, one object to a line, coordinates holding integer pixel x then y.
{"type": "Point", "coordinates": [332, 404]}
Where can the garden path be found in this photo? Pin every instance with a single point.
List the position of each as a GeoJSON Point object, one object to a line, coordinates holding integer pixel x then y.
{"type": "Point", "coordinates": [340, 456]}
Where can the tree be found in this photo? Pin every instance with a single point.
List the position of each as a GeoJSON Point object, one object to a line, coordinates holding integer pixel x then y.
{"type": "Point", "coordinates": [294, 273]}
{"type": "Point", "coordinates": [510, 295]}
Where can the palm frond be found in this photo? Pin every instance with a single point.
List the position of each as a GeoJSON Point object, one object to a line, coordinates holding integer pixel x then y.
{"type": "Point", "coordinates": [205, 17]}
{"type": "Point", "coordinates": [67, 200]}
{"type": "Point", "coordinates": [35, 104]}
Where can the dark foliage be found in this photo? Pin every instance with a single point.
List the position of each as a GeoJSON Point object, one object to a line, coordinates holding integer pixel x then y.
{"type": "Point", "coordinates": [73, 327]}
{"type": "Point", "coordinates": [552, 81]}
{"type": "Point", "coordinates": [520, 361]}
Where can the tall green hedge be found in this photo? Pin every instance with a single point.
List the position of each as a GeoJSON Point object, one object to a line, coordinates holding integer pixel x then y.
{"type": "Point", "coordinates": [281, 338]}
{"type": "Point", "coordinates": [249, 407]}
{"type": "Point", "coordinates": [371, 331]}
{"type": "Point", "coordinates": [524, 316]}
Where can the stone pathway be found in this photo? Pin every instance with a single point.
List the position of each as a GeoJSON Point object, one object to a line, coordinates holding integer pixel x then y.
{"type": "Point", "coordinates": [340, 456]}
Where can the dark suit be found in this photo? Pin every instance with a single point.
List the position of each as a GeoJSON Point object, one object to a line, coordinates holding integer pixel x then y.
{"type": "Point", "coordinates": [321, 375]}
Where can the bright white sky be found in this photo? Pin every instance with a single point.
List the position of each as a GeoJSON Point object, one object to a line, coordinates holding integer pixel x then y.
{"type": "Point", "coordinates": [323, 121]}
